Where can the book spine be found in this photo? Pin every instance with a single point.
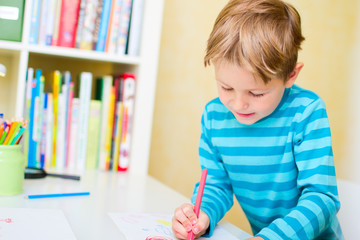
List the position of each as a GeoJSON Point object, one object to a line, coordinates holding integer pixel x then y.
{"type": "Point", "coordinates": [55, 37]}
{"type": "Point", "coordinates": [128, 101]}
{"type": "Point", "coordinates": [49, 131]}
{"type": "Point", "coordinates": [56, 91]}
{"type": "Point", "coordinates": [99, 11]}
{"type": "Point", "coordinates": [30, 76]}
{"type": "Point", "coordinates": [34, 22]}
{"type": "Point", "coordinates": [50, 22]}
{"type": "Point", "coordinates": [43, 18]}
{"type": "Point", "coordinates": [92, 150]}
{"type": "Point", "coordinates": [114, 22]}
{"type": "Point", "coordinates": [109, 128]}
{"type": "Point", "coordinates": [87, 32]}
{"type": "Point", "coordinates": [85, 96]}
{"type": "Point", "coordinates": [137, 13]}
{"type": "Point", "coordinates": [80, 23]}
{"type": "Point", "coordinates": [73, 141]}
{"type": "Point", "coordinates": [104, 24]}
{"type": "Point", "coordinates": [68, 23]}
{"type": "Point", "coordinates": [32, 158]}
{"type": "Point", "coordinates": [106, 83]}
{"type": "Point", "coordinates": [68, 122]}
{"type": "Point", "coordinates": [124, 27]}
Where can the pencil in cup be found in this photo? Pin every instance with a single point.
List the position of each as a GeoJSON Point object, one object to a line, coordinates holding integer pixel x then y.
{"type": "Point", "coordinates": [198, 199]}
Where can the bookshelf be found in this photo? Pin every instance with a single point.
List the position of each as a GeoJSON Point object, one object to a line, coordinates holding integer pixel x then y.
{"type": "Point", "coordinates": [18, 56]}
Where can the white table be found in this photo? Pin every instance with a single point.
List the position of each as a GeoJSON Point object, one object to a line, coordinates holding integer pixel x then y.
{"type": "Point", "coordinates": [109, 192]}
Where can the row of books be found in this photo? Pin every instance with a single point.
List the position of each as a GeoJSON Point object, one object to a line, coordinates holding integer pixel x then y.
{"type": "Point", "coordinates": [74, 127]}
{"type": "Point", "coordinates": [112, 26]}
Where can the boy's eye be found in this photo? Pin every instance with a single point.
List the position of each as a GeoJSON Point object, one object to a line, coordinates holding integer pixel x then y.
{"type": "Point", "coordinates": [226, 89]}
{"type": "Point", "coordinates": [257, 94]}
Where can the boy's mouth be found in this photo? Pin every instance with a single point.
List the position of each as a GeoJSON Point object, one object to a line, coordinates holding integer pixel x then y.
{"type": "Point", "coordinates": [245, 115]}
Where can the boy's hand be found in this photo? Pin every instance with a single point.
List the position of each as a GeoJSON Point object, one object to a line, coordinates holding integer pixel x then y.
{"type": "Point", "coordinates": [185, 220]}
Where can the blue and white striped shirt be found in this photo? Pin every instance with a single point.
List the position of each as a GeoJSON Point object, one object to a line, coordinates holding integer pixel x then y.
{"type": "Point", "coordinates": [280, 169]}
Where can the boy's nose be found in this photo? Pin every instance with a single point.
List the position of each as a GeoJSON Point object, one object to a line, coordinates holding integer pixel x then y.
{"type": "Point", "coordinates": [241, 103]}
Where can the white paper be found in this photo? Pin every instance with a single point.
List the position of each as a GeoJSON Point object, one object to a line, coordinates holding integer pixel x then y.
{"type": "Point", "coordinates": [148, 226]}
{"type": "Point", "coordinates": [40, 224]}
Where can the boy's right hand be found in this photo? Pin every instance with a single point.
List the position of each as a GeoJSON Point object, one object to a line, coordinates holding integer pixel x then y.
{"type": "Point", "coordinates": [185, 220]}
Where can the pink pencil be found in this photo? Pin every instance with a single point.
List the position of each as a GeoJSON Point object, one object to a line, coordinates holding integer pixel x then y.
{"type": "Point", "coordinates": [198, 199]}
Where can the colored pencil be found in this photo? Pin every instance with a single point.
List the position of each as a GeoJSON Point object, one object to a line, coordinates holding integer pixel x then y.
{"type": "Point", "coordinates": [57, 195]}
{"type": "Point", "coordinates": [198, 199]}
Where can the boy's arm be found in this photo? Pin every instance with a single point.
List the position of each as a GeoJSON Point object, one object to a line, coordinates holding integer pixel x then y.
{"type": "Point", "coordinates": [316, 181]}
{"type": "Point", "coordinates": [218, 195]}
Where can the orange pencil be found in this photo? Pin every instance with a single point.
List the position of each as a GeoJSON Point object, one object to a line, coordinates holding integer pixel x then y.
{"type": "Point", "coordinates": [1, 129]}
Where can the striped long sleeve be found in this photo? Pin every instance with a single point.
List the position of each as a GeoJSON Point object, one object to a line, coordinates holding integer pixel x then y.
{"type": "Point", "coordinates": [280, 169]}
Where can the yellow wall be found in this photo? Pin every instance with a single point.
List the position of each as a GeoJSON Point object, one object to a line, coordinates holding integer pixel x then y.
{"type": "Point", "coordinates": [184, 86]}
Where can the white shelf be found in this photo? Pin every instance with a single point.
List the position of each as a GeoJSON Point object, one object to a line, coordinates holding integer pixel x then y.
{"type": "Point", "coordinates": [17, 55]}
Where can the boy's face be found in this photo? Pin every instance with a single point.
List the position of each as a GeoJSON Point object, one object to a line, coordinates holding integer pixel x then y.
{"type": "Point", "coordinates": [248, 99]}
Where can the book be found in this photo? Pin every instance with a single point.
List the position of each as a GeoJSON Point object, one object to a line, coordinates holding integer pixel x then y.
{"type": "Point", "coordinates": [43, 21]}
{"type": "Point", "coordinates": [61, 129]}
{"type": "Point", "coordinates": [50, 22]}
{"type": "Point", "coordinates": [55, 37]}
{"type": "Point", "coordinates": [104, 85]}
{"type": "Point", "coordinates": [124, 27]}
{"type": "Point", "coordinates": [117, 137]}
{"type": "Point", "coordinates": [114, 23]}
{"type": "Point", "coordinates": [137, 12]}
{"type": "Point", "coordinates": [49, 130]}
{"type": "Point", "coordinates": [68, 23]}
{"type": "Point", "coordinates": [85, 97]}
{"type": "Point", "coordinates": [11, 19]}
{"type": "Point", "coordinates": [104, 24]}
{"type": "Point", "coordinates": [68, 122]}
{"type": "Point", "coordinates": [128, 98]}
{"type": "Point", "coordinates": [99, 10]}
{"type": "Point", "coordinates": [92, 151]}
{"type": "Point", "coordinates": [29, 80]}
{"type": "Point", "coordinates": [88, 27]}
{"type": "Point", "coordinates": [73, 138]}
{"type": "Point", "coordinates": [80, 23]}
{"type": "Point", "coordinates": [33, 143]}
{"type": "Point", "coordinates": [34, 21]}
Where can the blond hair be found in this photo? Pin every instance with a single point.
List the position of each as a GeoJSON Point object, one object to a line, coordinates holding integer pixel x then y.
{"type": "Point", "coordinates": [263, 36]}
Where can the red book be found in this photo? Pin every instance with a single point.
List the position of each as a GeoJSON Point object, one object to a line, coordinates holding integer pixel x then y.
{"type": "Point", "coordinates": [68, 23]}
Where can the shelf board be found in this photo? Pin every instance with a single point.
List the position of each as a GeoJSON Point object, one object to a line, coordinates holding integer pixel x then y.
{"type": "Point", "coordinates": [10, 46]}
{"type": "Point", "coordinates": [83, 54]}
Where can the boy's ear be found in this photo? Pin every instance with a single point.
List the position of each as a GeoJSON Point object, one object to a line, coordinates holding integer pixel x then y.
{"type": "Point", "coordinates": [294, 74]}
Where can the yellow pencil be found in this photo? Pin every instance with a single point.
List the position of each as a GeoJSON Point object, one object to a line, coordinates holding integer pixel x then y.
{"type": "Point", "coordinates": [11, 131]}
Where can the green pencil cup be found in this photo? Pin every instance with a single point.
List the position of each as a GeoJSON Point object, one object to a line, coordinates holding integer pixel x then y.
{"type": "Point", "coordinates": [12, 170]}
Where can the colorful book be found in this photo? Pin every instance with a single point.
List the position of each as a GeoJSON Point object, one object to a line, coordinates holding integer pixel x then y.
{"type": "Point", "coordinates": [92, 151]}
{"type": "Point", "coordinates": [49, 131]}
{"type": "Point", "coordinates": [104, 85]}
{"type": "Point", "coordinates": [29, 77]}
{"type": "Point", "coordinates": [50, 22]}
{"type": "Point", "coordinates": [104, 24]}
{"type": "Point", "coordinates": [61, 129]}
{"type": "Point", "coordinates": [34, 22]}
{"type": "Point", "coordinates": [114, 23]}
{"type": "Point", "coordinates": [128, 98]}
{"type": "Point", "coordinates": [80, 23]}
{"type": "Point", "coordinates": [55, 37]}
{"type": "Point", "coordinates": [109, 129]}
{"type": "Point", "coordinates": [88, 28]}
{"type": "Point", "coordinates": [73, 139]}
{"type": "Point", "coordinates": [33, 144]}
{"type": "Point", "coordinates": [116, 147]}
{"type": "Point", "coordinates": [68, 122]}
{"type": "Point", "coordinates": [124, 27]}
{"type": "Point", "coordinates": [43, 21]}
{"type": "Point", "coordinates": [68, 23]}
{"type": "Point", "coordinates": [85, 97]}
{"type": "Point", "coordinates": [99, 10]}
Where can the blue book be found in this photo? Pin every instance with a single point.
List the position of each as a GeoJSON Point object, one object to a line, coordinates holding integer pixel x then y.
{"type": "Point", "coordinates": [34, 108]}
{"type": "Point", "coordinates": [104, 24]}
{"type": "Point", "coordinates": [34, 21]}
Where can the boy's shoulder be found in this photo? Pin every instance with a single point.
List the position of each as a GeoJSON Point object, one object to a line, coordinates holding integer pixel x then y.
{"type": "Point", "coordinates": [299, 96]}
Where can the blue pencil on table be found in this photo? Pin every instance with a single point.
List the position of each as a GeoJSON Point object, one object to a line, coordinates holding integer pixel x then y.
{"type": "Point", "coordinates": [57, 195]}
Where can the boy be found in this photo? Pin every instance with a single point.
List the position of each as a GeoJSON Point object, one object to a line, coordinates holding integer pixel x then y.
{"type": "Point", "coordinates": [264, 139]}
